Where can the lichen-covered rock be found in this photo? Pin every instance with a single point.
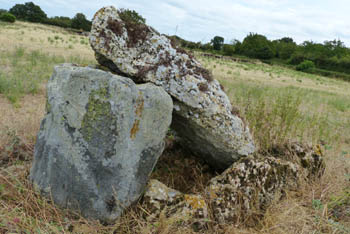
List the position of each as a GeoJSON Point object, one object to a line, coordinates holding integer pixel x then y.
{"type": "Point", "coordinates": [250, 185]}
{"type": "Point", "coordinates": [310, 158]}
{"type": "Point", "coordinates": [202, 111]}
{"type": "Point", "coordinates": [99, 141]}
{"type": "Point", "coordinates": [159, 198]}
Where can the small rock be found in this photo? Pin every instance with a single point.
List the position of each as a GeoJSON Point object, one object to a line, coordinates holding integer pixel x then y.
{"type": "Point", "coordinates": [187, 208]}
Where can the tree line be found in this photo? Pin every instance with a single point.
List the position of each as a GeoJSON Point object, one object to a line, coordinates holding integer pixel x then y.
{"type": "Point", "coordinates": [330, 58]}
{"type": "Point", "coordinates": [33, 13]}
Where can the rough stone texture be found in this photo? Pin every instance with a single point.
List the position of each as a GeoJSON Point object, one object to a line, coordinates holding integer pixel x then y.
{"type": "Point", "coordinates": [308, 157]}
{"type": "Point", "coordinates": [202, 111]}
{"type": "Point", "coordinates": [99, 140]}
{"type": "Point", "coordinates": [250, 185]}
{"type": "Point", "coordinates": [174, 204]}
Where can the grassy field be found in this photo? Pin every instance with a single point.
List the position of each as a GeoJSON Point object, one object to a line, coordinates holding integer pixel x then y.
{"type": "Point", "coordinates": [277, 103]}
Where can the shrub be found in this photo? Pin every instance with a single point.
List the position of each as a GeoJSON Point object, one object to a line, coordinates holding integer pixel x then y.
{"type": "Point", "coordinates": [228, 49]}
{"type": "Point", "coordinates": [306, 66]}
{"type": "Point", "coordinates": [29, 12]}
{"type": "Point", "coordinates": [7, 17]}
{"type": "Point", "coordinates": [257, 46]}
{"type": "Point", "coordinates": [3, 11]}
{"type": "Point", "coordinates": [80, 22]}
{"type": "Point", "coordinates": [61, 21]}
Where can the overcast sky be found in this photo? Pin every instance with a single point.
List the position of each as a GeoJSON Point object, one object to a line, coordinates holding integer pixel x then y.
{"type": "Point", "coordinates": [201, 20]}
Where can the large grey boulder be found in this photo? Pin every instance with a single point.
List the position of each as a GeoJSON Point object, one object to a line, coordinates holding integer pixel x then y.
{"type": "Point", "coordinates": [99, 141]}
{"type": "Point", "coordinates": [202, 111]}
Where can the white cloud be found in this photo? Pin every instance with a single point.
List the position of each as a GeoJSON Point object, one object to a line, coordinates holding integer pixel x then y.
{"type": "Point", "coordinates": [201, 20]}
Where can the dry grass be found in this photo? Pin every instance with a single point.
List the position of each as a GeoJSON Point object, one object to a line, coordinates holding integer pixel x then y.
{"type": "Point", "coordinates": [24, 120]}
{"type": "Point", "coordinates": [322, 115]}
{"type": "Point", "coordinates": [49, 39]}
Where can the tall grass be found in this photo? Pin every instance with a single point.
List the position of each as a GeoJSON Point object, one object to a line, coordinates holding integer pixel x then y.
{"type": "Point", "coordinates": [25, 71]}
{"type": "Point", "coordinates": [278, 115]}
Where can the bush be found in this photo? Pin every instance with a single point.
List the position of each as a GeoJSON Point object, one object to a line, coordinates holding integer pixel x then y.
{"type": "Point", "coordinates": [80, 22]}
{"type": "Point", "coordinates": [228, 49]}
{"type": "Point", "coordinates": [28, 12]}
{"type": "Point", "coordinates": [306, 66]}
{"type": "Point", "coordinates": [2, 11]}
{"type": "Point", "coordinates": [7, 17]}
{"type": "Point", "coordinates": [256, 46]}
{"type": "Point", "coordinates": [61, 21]}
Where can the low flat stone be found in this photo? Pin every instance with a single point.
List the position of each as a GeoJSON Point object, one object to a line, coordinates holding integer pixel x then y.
{"type": "Point", "coordinates": [249, 186]}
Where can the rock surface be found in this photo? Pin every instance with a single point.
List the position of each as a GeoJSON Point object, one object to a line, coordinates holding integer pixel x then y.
{"type": "Point", "coordinates": [99, 140]}
{"type": "Point", "coordinates": [250, 185]}
{"type": "Point", "coordinates": [202, 111]}
{"type": "Point", "coordinates": [159, 198]}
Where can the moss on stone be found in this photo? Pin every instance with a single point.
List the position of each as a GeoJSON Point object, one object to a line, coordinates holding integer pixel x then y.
{"type": "Point", "coordinates": [98, 108]}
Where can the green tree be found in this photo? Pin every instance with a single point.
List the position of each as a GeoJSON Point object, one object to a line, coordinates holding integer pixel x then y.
{"type": "Point", "coordinates": [29, 12]}
{"type": "Point", "coordinates": [7, 17]}
{"type": "Point", "coordinates": [80, 22]}
{"type": "Point", "coordinates": [284, 47]}
{"type": "Point", "coordinates": [3, 11]}
{"type": "Point", "coordinates": [257, 46]}
{"type": "Point", "coordinates": [217, 42]}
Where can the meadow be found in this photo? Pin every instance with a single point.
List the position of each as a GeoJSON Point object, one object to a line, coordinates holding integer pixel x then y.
{"type": "Point", "coordinates": [279, 105]}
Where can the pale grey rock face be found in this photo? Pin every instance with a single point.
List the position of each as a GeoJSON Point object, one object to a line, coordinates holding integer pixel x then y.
{"type": "Point", "coordinates": [99, 141]}
{"type": "Point", "coordinates": [202, 111]}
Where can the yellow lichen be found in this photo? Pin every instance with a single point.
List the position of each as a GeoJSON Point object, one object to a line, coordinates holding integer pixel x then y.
{"type": "Point", "coordinates": [195, 202]}
{"type": "Point", "coordinates": [318, 150]}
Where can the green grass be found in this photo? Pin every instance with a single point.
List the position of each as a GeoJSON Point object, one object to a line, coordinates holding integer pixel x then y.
{"type": "Point", "coordinates": [27, 70]}
{"type": "Point", "coordinates": [276, 115]}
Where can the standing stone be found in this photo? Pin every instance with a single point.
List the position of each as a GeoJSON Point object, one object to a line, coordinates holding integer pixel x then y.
{"type": "Point", "coordinates": [99, 141]}
{"type": "Point", "coordinates": [202, 111]}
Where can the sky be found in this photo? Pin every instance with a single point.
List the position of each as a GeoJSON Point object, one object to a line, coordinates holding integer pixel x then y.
{"type": "Point", "coordinates": [201, 20]}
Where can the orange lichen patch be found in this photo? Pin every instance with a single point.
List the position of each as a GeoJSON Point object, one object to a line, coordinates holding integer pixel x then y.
{"type": "Point", "coordinates": [135, 128]}
{"type": "Point", "coordinates": [195, 201]}
{"type": "Point", "coordinates": [140, 104]}
{"type": "Point", "coordinates": [138, 112]}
